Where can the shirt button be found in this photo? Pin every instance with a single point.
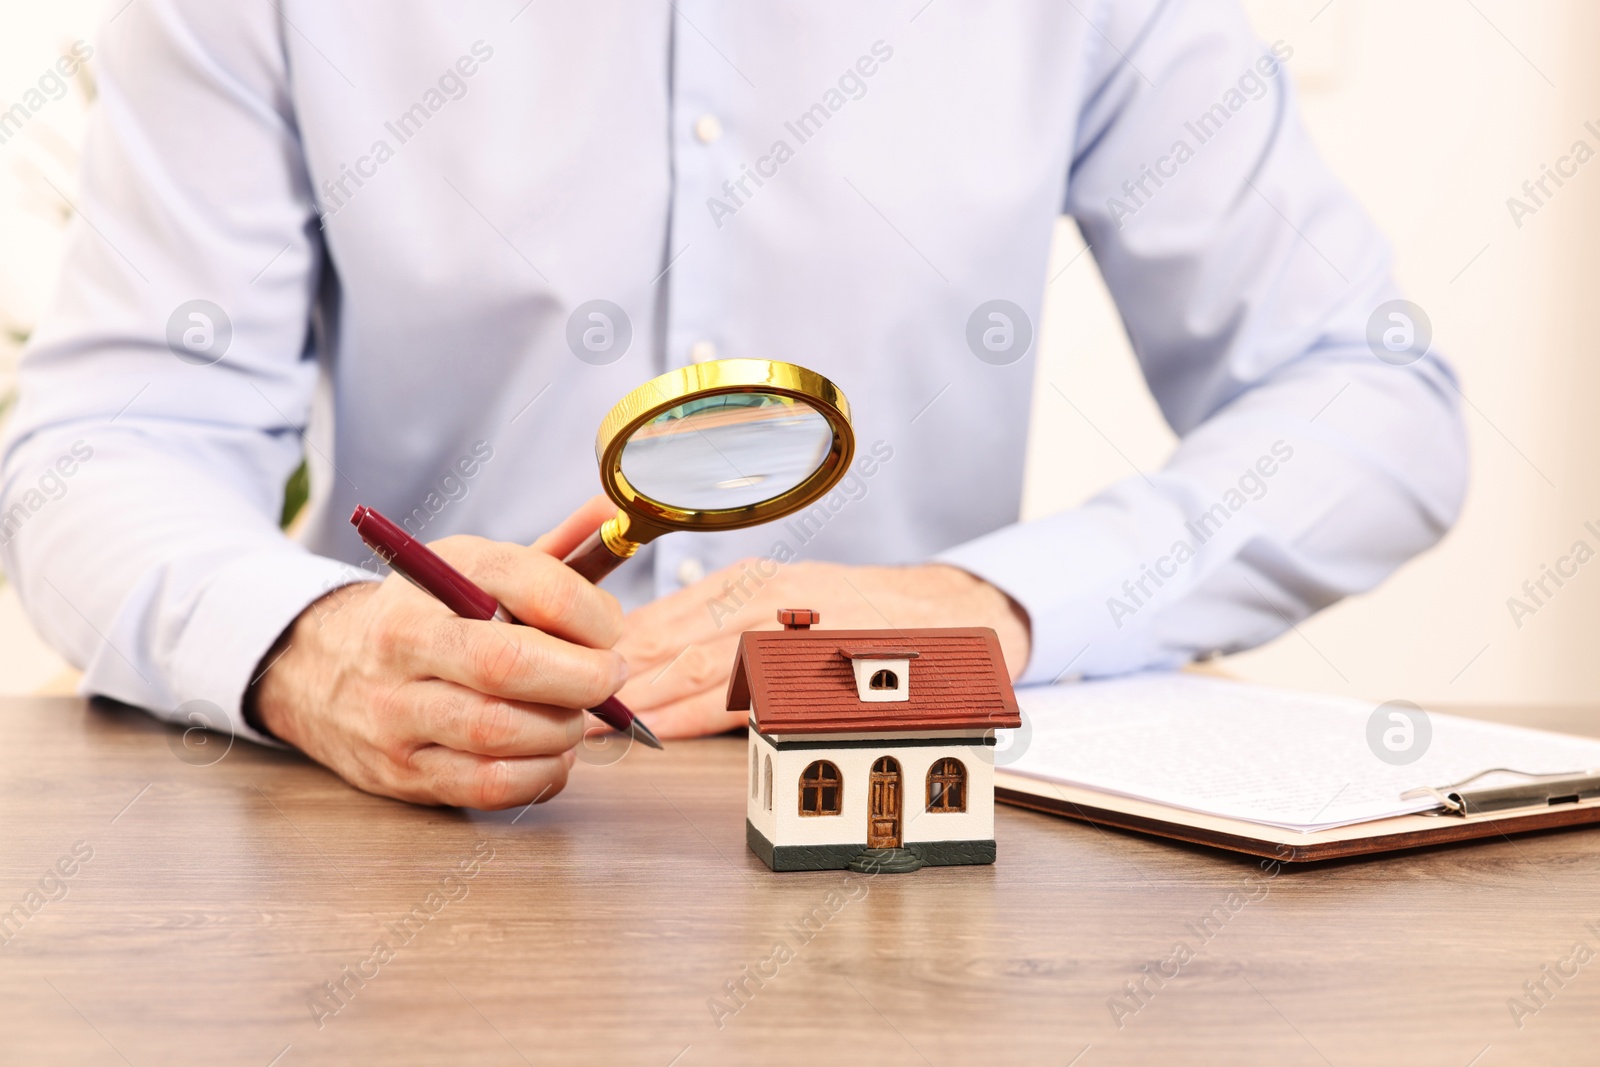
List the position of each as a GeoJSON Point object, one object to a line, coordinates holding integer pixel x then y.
{"type": "Point", "coordinates": [703, 352]}
{"type": "Point", "coordinates": [707, 128]}
{"type": "Point", "coordinates": [690, 571]}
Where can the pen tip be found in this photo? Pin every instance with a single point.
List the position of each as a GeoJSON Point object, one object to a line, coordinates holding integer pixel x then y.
{"type": "Point", "coordinates": [644, 733]}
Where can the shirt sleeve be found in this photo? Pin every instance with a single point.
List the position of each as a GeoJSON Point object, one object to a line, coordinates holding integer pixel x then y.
{"type": "Point", "coordinates": [1308, 468]}
{"type": "Point", "coordinates": [139, 491]}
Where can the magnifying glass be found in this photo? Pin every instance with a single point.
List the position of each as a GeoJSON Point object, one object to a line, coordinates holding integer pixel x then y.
{"type": "Point", "coordinates": [715, 446]}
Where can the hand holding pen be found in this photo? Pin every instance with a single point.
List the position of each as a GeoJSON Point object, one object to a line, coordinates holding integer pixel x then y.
{"type": "Point", "coordinates": [420, 565]}
{"type": "Point", "coordinates": [405, 700]}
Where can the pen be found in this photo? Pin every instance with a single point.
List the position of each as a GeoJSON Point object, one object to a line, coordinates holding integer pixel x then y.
{"type": "Point", "coordinates": [423, 568]}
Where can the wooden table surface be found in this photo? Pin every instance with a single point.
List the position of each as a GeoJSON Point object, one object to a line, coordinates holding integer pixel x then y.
{"type": "Point", "coordinates": [606, 926]}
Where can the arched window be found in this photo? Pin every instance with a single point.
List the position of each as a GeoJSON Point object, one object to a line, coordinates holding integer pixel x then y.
{"type": "Point", "coordinates": [947, 785]}
{"type": "Point", "coordinates": [766, 789]}
{"type": "Point", "coordinates": [755, 772]}
{"type": "Point", "coordinates": [821, 789]}
{"type": "Point", "coordinates": [884, 680]}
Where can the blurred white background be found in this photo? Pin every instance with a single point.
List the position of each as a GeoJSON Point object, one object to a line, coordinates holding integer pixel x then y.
{"type": "Point", "coordinates": [1435, 112]}
{"type": "Point", "coordinates": [34, 164]}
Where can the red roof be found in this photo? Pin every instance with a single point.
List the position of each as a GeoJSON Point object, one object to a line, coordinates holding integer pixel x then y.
{"type": "Point", "coordinates": [802, 681]}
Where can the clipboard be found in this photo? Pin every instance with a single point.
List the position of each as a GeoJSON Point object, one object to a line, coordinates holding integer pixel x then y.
{"type": "Point", "coordinates": [1544, 802]}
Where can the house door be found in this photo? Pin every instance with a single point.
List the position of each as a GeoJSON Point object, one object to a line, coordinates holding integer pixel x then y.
{"type": "Point", "coordinates": [883, 804]}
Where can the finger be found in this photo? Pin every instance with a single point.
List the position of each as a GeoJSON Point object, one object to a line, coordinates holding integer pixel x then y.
{"type": "Point", "coordinates": [654, 634]}
{"type": "Point", "coordinates": [490, 783]}
{"type": "Point", "coordinates": [696, 716]}
{"type": "Point", "coordinates": [504, 660]}
{"type": "Point", "coordinates": [572, 530]}
{"type": "Point", "coordinates": [459, 718]}
{"type": "Point", "coordinates": [694, 669]}
{"type": "Point", "coordinates": [537, 589]}
{"type": "Point", "coordinates": [724, 600]}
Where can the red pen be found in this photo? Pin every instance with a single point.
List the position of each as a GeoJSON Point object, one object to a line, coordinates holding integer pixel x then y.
{"type": "Point", "coordinates": [423, 568]}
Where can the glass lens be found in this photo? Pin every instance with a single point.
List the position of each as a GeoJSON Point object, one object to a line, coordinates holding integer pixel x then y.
{"type": "Point", "coordinates": [727, 451]}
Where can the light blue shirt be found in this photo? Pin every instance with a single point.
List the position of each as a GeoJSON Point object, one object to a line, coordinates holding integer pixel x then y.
{"type": "Point", "coordinates": [844, 185]}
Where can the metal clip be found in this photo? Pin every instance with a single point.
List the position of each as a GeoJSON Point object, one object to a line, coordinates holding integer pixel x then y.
{"type": "Point", "coordinates": [1541, 791]}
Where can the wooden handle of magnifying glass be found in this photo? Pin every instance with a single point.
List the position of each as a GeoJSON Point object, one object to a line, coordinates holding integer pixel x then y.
{"type": "Point", "coordinates": [593, 559]}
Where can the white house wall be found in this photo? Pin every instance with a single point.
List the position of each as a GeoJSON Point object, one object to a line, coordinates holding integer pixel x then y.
{"type": "Point", "coordinates": [755, 810]}
{"type": "Point", "coordinates": [784, 825]}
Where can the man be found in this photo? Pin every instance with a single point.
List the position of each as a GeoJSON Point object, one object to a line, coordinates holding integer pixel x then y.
{"type": "Point", "coordinates": [478, 229]}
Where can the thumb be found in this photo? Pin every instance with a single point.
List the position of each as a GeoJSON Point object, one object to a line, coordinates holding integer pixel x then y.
{"type": "Point", "coordinates": [572, 530]}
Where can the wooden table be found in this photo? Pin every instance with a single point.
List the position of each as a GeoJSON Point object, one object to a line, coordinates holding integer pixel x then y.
{"type": "Point", "coordinates": [606, 925]}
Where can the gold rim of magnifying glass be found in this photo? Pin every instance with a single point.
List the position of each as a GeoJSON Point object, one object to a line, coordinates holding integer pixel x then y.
{"type": "Point", "coordinates": [644, 518]}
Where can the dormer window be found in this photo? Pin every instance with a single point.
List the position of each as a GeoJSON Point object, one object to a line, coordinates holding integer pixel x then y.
{"type": "Point", "coordinates": [881, 674]}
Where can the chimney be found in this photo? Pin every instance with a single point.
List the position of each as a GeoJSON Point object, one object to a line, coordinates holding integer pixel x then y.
{"type": "Point", "coordinates": [798, 618]}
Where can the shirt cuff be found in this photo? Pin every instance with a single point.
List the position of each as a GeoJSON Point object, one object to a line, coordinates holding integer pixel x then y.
{"type": "Point", "coordinates": [1062, 570]}
{"type": "Point", "coordinates": [234, 621]}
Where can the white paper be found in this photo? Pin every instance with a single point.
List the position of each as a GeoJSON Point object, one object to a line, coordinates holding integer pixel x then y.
{"type": "Point", "coordinates": [1300, 761]}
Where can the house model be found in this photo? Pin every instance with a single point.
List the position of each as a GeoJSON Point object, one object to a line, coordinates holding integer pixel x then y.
{"type": "Point", "coordinates": [871, 749]}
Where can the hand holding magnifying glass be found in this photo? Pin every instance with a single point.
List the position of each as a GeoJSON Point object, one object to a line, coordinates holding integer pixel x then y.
{"type": "Point", "coordinates": [373, 684]}
{"type": "Point", "coordinates": [715, 446]}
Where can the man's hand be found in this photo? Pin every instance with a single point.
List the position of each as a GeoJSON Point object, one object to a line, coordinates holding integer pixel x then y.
{"type": "Point", "coordinates": [680, 648]}
{"type": "Point", "coordinates": [401, 697]}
